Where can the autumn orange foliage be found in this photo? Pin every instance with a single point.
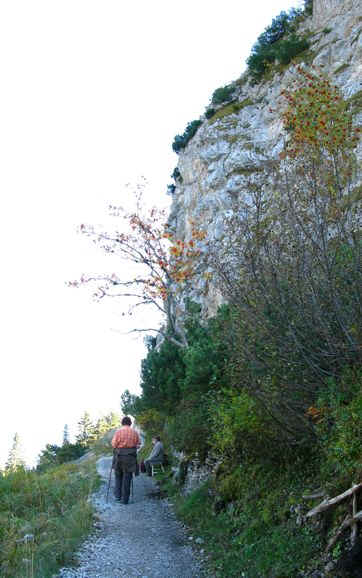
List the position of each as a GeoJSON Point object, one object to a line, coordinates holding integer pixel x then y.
{"type": "Point", "coordinates": [317, 115]}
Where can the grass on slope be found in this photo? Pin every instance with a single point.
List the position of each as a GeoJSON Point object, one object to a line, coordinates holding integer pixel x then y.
{"type": "Point", "coordinates": [43, 519]}
{"type": "Point", "coordinates": [249, 528]}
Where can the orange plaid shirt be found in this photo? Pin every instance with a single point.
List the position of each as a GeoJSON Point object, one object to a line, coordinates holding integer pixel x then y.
{"type": "Point", "coordinates": [126, 437]}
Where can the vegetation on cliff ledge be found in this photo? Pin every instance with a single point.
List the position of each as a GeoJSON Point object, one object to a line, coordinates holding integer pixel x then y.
{"type": "Point", "coordinates": [280, 42]}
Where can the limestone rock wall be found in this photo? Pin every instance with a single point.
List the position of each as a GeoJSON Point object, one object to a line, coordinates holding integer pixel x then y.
{"type": "Point", "coordinates": [324, 10]}
{"type": "Point", "coordinates": [228, 148]}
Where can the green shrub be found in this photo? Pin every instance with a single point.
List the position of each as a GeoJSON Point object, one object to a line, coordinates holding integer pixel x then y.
{"type": "Point", "coordinates": [290, 47]}
{"type": "Point", "coordinates": [255, 534]}
{"type": "Point", "coordinates": [162, 374]}
{"type": "Point", "coordinates": [277, 29]}
{"type": "Point", "coordinates": [223, 94]}
{"type": "Point", "coordinates": [209, 112]}
{"type": "Point", "coordinates": [339, 424]}
{"type": "Point", "coordinates": [308, 7]}
{"type": "Point", "coordinates": [171, 189]}
{"type": "Point", "coordinates": [176, 175]}
{"type": "Point", "coordinates": [281, 552]}
{"type": "Point", "coordinates": [283, 51]}
{"type": "Point", "coordinates": [151, 421]}
{"type": "Point", "coordinates": [259, 61]}
{"type": "Point", "coordinates": [231, 484]}
{"type": "Point", "coordinates": [178, 385]}
{"type": "Point", "coordinates": [236, 419]}
{"type": "Point", "coordinates": [54, 455]}
{"type": "Point", "coordinates": [278, 43]}
{"type": "Point", "coordinates": [181, 141]}
{"type": "Point", "coordinates": [189, 429]}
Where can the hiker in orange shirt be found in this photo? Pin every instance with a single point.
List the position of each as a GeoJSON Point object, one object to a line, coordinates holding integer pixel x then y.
{"type": "Point", "coordinates": [125, 443]}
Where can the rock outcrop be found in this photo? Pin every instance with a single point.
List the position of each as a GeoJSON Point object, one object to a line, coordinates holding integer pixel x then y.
{"type": "Point", "coordinates": [325, 10]}
{"type": "Point", "coordinates": [230, 146]}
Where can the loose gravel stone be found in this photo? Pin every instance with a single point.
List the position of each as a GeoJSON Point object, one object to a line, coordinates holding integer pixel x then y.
{"type": "Point", "coordinates": [142, 539]}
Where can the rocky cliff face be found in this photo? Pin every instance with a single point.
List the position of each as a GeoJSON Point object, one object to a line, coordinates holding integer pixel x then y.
{"type": "Point", "coordinates": [229, 147]}
{"type": "Point", "coordinates": [324, 10]}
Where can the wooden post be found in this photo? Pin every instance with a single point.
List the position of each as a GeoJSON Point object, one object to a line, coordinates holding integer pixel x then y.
{"type": "Point", "coordinates": [328, 503]}
{"type": "Point", "coordinates": [354, 513]}
{"type": "Point", "coordinates": [350, 520]}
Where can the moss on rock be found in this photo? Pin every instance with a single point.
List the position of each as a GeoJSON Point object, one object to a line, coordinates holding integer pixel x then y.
{"type": "Point", "coordinates": [231, 108]}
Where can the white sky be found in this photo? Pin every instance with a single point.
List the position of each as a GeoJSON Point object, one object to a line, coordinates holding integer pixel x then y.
{"type": "Point", "coordinates": [92, 95]}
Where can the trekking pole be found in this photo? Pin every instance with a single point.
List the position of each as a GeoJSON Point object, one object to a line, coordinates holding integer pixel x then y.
{"type": "Point", "coordinates": [109, 482]}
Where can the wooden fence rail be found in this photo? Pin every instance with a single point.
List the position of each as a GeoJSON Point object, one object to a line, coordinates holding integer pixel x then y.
{"type": "Point", "coordinates": [351, 520]}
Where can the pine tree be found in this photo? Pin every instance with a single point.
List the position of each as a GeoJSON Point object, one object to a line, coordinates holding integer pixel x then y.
{"type": "Point", "coordinates": [15, 459]}
{"type": "Point", "coordinates": [113, 420]}
{"type": "Point", "coordinates": [101, 427]}
{"type": "Point", "coordinates": [48, 457]}
{"type": "Point", "coordinates": [86, 430]}
{"type": "Point", "coordinates": [66, 435]}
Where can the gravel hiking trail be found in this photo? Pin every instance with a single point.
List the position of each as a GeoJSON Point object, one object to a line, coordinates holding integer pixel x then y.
{"type": "Point", "coordinates": [141, 539]}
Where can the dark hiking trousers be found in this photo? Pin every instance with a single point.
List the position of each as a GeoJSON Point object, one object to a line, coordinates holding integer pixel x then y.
{"type": "Point", "coordinates": [123, 485]}
{"type": "Point", "coordinates": [125, 461]}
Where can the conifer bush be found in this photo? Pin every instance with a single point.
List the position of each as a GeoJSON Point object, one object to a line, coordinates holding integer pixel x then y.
{"type": "Point", "coordinates": [223, 94]}
{"type": "Point", "coordinates": [54, 455]}
{"type": "Point", "coordinates": [181, 141]}
{"type": "Point", "coordinates": [171, 188]}
{"type": "Point", "coordinates": [178, 385]}
{"type": "Point", "coordinates": [308, 7]}
{"type": "Point", "coordinates": [209, 113]}
{"type": "Point", "coordinates": [288, 48]}
{"type": "Point", "coordinates": [176, 175]}
{"type": "Point", "coordinates": [278, 43]}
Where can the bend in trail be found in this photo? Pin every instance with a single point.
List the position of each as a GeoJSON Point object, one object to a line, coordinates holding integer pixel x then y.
{"type": "Point", "coordinates": [142, 539]}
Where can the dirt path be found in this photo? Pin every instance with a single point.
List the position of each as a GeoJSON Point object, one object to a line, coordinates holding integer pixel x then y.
{"type": "Point", "coordinates": [141, 539]}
